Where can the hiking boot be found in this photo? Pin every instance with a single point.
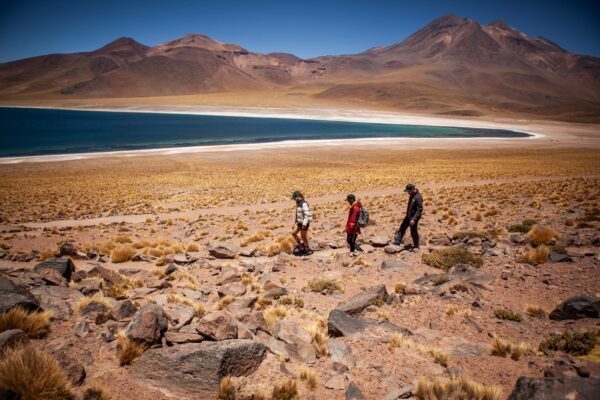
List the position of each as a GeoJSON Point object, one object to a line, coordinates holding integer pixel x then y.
{"type": "Point", "coordinates": [396, 243]}
{"type": "Point", "coordinates": [308, 252]}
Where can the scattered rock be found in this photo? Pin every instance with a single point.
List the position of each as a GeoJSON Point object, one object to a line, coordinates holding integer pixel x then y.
{"type": "Point", "coordinates": [218, 325]}
{"type": "Point", "coordinates": [182, 337]}
{"type": "Point", "coordinates": [394, 264]}
{"type": "Point", "coordinates": [224, 250]}
{"type": "Point", "coordinates": [557, 257]}
{"type": "Point", "coordinates": [341, 352]}
{"type": "Point", "coordinates": [234, 289]}
{"type": "Point", "coordinates": [149, 324]}
{"type": "Point", "coordinates": [354, 393]}
{"type": "Point", "coordinates": [343, 324]}
{"type": "Point", "coordinates": [60, 300]}
{"type": "Point", "coordinates": [195, 369]}
{"type": "Point", "coordinates": [123, 310]}
{"type": "Point", "coordinates": [109, 276]}
{"type": "Point", "coordinates": [64, 266]}
{"type": "Point", "coordinates": [179, 315]}
{"type": "Point", "coordinates": [392, 249]}
{"type": "Point", "coordinates": [13, 295]}
{"type": "Point", "coordinates": [572, 387]}
{"type": "Point", "coordinates": [362, 300]}
{"type": "Point", "coordinates": [379, 241]}
{"type": "Point", "coordinates": [576, 307]}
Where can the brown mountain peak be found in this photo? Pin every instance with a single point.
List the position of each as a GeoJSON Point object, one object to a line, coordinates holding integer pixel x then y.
{"type": "Point", "coordinates": [121, 44]}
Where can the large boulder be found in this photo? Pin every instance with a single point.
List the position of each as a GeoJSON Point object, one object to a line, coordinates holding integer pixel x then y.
{"type": "Point", "coordinates": [564, 387]}
{"type": "Point", "coordinates": [362, 300]}
{"type": "Point", "coordinates": [60, 300]}
{"type": "Point", "coordinates": [218, 325]}
{"type": "Point", "coordinates": [148, 325]}
{"type": "Point", "coordinates": [194, 370]}
{"type": "Point", "coordinates": [223, 250]}
{"type": "Point", "coordinates": [13, 294]}
{"type": "Point", "coordinates": [577, 307]}
{"type": "Point", "coordinates": [63, 266]}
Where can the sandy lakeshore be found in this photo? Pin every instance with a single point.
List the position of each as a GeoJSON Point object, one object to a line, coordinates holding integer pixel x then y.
{"type": "Point", "coordinates": [544, 134]}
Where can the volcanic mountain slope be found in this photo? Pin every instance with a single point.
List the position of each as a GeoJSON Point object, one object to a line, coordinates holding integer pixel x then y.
{"type": "Point", "coordinates": [453, 65]}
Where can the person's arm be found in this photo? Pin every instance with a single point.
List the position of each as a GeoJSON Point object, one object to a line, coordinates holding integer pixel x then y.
{"type": "Point", "coordinates": [306, 214]}
{"type": "Point", "coordinates": [419, 208]}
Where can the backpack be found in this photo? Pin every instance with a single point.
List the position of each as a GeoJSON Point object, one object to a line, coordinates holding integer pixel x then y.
{"type": "Point", "coordinates": [363, 218]}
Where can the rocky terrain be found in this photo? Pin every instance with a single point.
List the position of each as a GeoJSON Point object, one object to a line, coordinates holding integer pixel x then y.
{"type": "Point", "coordinates": [453, 66]}
{"type": "Point", "coordinates": [501, 302]}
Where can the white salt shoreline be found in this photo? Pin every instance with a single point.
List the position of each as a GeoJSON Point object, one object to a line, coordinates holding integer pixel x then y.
{"type": "Point", "coordinates": [358, 116]}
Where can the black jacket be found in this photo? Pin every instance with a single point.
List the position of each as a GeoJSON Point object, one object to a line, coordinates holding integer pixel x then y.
{"type": "Point", "coordinates": [415, 206]}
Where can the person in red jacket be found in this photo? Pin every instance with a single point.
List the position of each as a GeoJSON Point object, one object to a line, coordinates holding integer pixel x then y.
{"type": "Point", "coordinates": [352, 228]}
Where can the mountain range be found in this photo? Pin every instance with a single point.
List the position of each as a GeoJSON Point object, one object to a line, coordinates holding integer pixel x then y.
{"type": "Point", "coordinates": [454, 65]}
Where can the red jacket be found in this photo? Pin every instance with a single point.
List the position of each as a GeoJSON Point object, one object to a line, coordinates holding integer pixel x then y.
{"type": "Point", "coordinates": [351, 225]}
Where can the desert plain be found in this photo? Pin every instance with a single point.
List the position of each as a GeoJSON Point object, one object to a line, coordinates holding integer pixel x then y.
{"type": "Point", "coordinates": [167, 273]}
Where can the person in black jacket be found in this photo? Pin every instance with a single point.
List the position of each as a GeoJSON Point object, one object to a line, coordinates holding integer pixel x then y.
{"type": "Point", "coordinates": [413, 214]}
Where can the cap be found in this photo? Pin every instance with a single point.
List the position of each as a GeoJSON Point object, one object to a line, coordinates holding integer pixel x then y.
{"type": "Point", "coordinates": [350, 197]}
{"type": "Point", "coordinates": [296, 193]}
{"type": "Point", "coordinates": [409, 187]}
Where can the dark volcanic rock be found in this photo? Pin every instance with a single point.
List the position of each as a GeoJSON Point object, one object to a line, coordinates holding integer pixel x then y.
{"type": "Point", "coordinates": [362, 300]}
{"type": "Point", "coordinates": [577, 307]}
{"type": "Point", "coordinates": [565, 387]}
{"type": "Point", "coordinates": [354, 393]}
{"type": "Point", "coordinates": [195, 369]}
{"type": "Point", "coordinates": [13, 294]}
{"type": "Point", "coordinates": [63, 266]}
{"type": "Point", "coordinates": [149, 324]}
{"type": "Point", "coordinates": [12, 337]}
{"type": "Point", "coordinates": [123, 309]}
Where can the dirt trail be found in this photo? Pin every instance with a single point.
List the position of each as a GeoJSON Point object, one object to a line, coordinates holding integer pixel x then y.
{"type": "Point", "coordinates": [232, 210]}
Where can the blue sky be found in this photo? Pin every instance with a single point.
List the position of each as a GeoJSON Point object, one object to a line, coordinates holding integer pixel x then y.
{"type": "Point", "coordinates": [306, 28]}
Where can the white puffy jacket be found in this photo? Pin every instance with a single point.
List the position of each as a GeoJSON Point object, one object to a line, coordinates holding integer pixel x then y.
{"type": "Point", "coordinates": [303, 214]}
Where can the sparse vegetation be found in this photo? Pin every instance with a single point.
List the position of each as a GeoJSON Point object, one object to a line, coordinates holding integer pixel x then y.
{"type": "Point", "coordinates": [537, 255]}
{"type": "Point", "coordinates": [398, 340]}
{"type": "Point", "coordinates": [535, 311]}
{"type": "Point", "coordinates": [96, 393]}
{"type": "Point", "coordinates": [323, 285]}
{"type": "Point", "coordinates": [33, 375]}
{"type": "Point", "coordinates": [577, 344]}
{"type": "Point", "coordinates": [502, 348]}
{"type": "Point", "coordinates": [285, 390]}
{"type": "Point", "coordinates": [227, 389]}
{"type": "Point", "coordinates": [121, 254]}
{"type": "Point", "coordinates": [459, 388]}
{"type": "Point", "coordinates": [449, 257]}
{"type": "Point", "coordinates": [503, 313]}
{"type": "Point", "coordinates": [309, 377]}
{"type": "Point", "coordinates": [541, 235]}
{"type": "Point", "coordinates": [34, 324]}
{"type": "Point", "coordinates": [129, 350]}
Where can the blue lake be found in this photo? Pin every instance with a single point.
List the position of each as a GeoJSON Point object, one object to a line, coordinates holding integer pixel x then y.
{"type": "Point", "coordinates": [32, 132]}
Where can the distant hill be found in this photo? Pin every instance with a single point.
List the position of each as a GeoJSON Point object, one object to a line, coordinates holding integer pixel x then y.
{"type": "Point", "coordinates": [454, 65]}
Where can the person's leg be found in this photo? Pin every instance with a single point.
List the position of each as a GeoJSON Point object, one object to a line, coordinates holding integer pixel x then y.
{"type": "Point", "coordinates": [295, 234]}
{"type": "Point", "coordinates": [414, 232]}
{"type": "Point", "coordinates": [351, 239]}
{"type": "Point", "coordinates": [304, 233]}
{"type": "Point", "coordinates": [401, 231]}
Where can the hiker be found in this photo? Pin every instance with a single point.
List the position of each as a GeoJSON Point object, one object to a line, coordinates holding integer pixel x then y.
{"type": "Point", "coordinates": [352, 225]}
{"type": "Point", "coordinates": [413, 214]}
{"type": "Point", "coordinates": [302, 222]}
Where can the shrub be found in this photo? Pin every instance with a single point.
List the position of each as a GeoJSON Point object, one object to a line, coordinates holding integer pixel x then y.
{"type": "Point", "coordinates": [458, 388]}
{"type": "Point", "coordinates": [285, 390]}
{"type": "Point", "coordinates": [96, 393]}
{"type": "Point", "coordinates": [448, 258]}
{"type": "Point", "coordinates": [227, 389]}
{"type": "Point", "coordinates": [462, 235]}
{"type": "Point", "coordinates": [502, 348]}
{"type": "Point", "coordinates": [541, 235]}
{"type": "Point", "coordinates": [274, 314]}
{"type": "Point", "coordinates": [129, 350]}
{"type": "Point", "coordinates": [192, 247]}
{"type": "Point", "coordinates": [507, 314]}
{"type": "Point", "coordinates": [592, 356]}
{"type": "Point", "coordinates": [523, 227]}
{"type": "Point", "coordinates": [577, 344]}
{"type": "Point", "coordinates": [309, 376]}
{"type": "Point", "coordinates": [535, 311]}
{"type": "Point", "coordinates": [537, 255]}
{"type": "Point", "coordinates": [33, 374]}
{"type": "Point", "coordinates": [320, 285]}
{"type": "Point", "coordinates": [34, 324]}
{"type": "Point", "coordinates": [121, 254]}
{"type": "Point", "coordinates": [439, 280]}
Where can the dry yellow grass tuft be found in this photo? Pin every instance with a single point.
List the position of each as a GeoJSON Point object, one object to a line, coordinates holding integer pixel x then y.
{"type": "Point", "coordinates": [285, 390]}
{"type": "Point", "coordinates": [449, 257]}
{"type": "Point", "coordinates": [33, 375]}
{"type": "Point", "coordinates": [398, 340]}
{"type": "Point", "coordinates": [257, 236]}
{"type": "Point", "coordinates": [541, 235]}
{"type": "Point", "coordinates": [193, 247]}
{"type": "Point", "coordinates": [34, 324]}
{"type": "Point", "coordinates": [121, 254]}
{"type": "Point", "coordinates": [459, 388]}
{"type": "Point", "coordinates": [502, 348]}
{"type": "Point", "coordinates": [227, 389]}
{"type": "Point", "coordinates": [96, 393]}
{"type": "Point", "coordinates": [177, 298]}
{"type": "Point", "coordinates": [274, 314]}
{"type": "Point", "coordinates": [537, 255]}
{"type": "Point", "coordinates": [224, 302]}
{"type": "Point", "coordinates": [320, 335]}
{"type": "Point", "coordinates": [309, 377]}
{"type": "Point", "coordinates": [535, 311]}
{"type": "Point", "coordinates": [87, 300]}
{"type": "Point", "coordinates": [128, 350]}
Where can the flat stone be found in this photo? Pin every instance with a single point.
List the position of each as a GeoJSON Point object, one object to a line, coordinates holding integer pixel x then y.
{"type": "Point", "coordinates": [194, 370]}
{"type": "Point", "coordinates": [182, 337]}
{"type": "Point", "coordinates": [394, 264]}
{"type": "Point", "coordinates": [13, 294]}
{"type": "Point", "coordinates": [336, 382]}
{"type": "Point", "coordinates": [64, 266]}
{"type": "Point", "coordinates": [223, 250]}
{"type": "Point", "coordinates": [218, 325]}
{"type": "Point", "coordinates": [60, 300]}
{"type": "Point", "coordinates": [234, 289]}
{"type": "Point", "coordinates": [362, 300]}
{"type": "Point", "coordinates": [379, 241]}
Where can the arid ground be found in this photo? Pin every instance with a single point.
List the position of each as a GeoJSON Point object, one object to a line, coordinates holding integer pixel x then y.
{"type": "Point", "coordinates": [509, 231]}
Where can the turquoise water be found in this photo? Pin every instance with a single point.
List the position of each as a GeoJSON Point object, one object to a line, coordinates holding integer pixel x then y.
{"type": "Point", "coordinates": [29, 132]}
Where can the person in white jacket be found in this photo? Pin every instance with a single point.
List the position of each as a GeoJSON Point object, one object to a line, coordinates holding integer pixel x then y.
{"type": "Point", "coordinates": [302, 221]}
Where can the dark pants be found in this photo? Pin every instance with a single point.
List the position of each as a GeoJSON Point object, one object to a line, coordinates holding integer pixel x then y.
{"type": "Point", "coordinates": [414, 232]}
{"type": "Point", "coordinates": [351, 239]}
